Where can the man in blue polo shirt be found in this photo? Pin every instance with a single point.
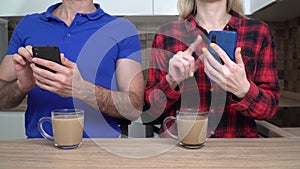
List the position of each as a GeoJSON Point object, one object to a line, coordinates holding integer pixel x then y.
{"type": "Point", "coordinates": [100, 71]}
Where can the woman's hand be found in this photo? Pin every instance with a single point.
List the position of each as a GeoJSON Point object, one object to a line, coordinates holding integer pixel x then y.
{"type": "Point", "coordinates": [183, 65]}
{"type": "Point", "coordinates": [231, 76]}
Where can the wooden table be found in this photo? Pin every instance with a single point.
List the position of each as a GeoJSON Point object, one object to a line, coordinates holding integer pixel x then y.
{"type": "Point", "coordinates": [217, 153]}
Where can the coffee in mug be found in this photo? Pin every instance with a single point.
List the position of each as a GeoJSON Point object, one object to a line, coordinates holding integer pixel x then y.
{"type": "Point", "coordinates": [191, 127]}
{"type": "Point", "coordinates": [67, 126]}
{"type": "Point", "coordinates": [192, 131]}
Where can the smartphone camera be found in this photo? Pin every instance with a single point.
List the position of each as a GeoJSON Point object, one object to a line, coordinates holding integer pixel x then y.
{"type": "Point", "coordinates": [213, 39]}
{"type": "Point", "coordinates": [35, 51]}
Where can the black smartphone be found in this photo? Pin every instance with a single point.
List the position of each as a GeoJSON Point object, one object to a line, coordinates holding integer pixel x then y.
{"type": "Point", "coordinates": [50, 53]}
{"type": "Point", "coordinates": [226, 40]}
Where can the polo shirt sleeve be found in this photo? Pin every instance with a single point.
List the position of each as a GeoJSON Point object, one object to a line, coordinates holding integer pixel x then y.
{"type": "Point", "coordinates": [129, 46]}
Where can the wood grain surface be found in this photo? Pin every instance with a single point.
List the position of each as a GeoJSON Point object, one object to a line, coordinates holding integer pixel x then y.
{"type": "Point", "coordinates": [123, 153]}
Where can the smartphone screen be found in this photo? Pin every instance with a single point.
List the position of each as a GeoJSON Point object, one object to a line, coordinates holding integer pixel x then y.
{"type": "Point", "coordinates": [226, 40]}
{"type": "Point", "coordinates": [50, 53]}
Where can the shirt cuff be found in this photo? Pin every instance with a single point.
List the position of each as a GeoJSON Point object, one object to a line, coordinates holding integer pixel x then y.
{"type": "Point", "coordinates": [249, 99]}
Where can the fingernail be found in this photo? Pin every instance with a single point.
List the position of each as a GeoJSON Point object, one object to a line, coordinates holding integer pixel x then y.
{"type": "Point", "coordinates": [212, 45]}
{"type": "Point", "coordinates": [239, 49]}
{"type": "Point", "coordinates": [204, 49]}
{"type": "Point", "coordinates": [191, 74]}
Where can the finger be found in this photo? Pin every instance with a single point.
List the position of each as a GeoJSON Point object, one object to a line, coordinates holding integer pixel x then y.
{"type": "Point", "coordinates": [45, 78]}
{"type": "Point", "coordinates": [44, 85]}
{"type": "Point", "coordinates": [212, 61]}
{"type": "Point", "coordinates": [181, 64]}
{"type": "Point", "coordinates": [191, 64]}
{"type": "Point", "coordinates": [36, 76]}
{"type": "Point", "coordinates": [180, 57]}
{"type": "Point", "coordinates": [54, 88]}
{"type": "Point", "coordinates": [211, 72]}
{"type": "Point", "coordinates": [19, 59]}
{"type": "Point", "coordinates": [41, 85]}
{"type": "Point", "coordinates": [193, 47]}
{"type": "Point", "coordinates": [204, 53]}
{"type": "Point", "coordinates": [208, 69]}
{"type": "Point", "coordinates": [29, 49]}
{"type": "Point", "coordinates": [198, 61]}
{"type": "Point", "coordinates": [46, 63]}
{"type": "Point", "coordinates": [40, 72]}
{"type": "Point", "coordinates": [25, 53]}
{"type": "Point", "coordinates": [179, 54]}
{"type": "Point", "coordinates": [222, 53]}
{"type": "Point", "coordinates": [188, 55]}
{"type": "Point", "coordinates": [66, 62]}
{"type": "Point", "coordinates": [180, 67]}
{"type": "Point", "coordinates": [41, 80]}
{"type": "Point", "coordinates": [238, 56]}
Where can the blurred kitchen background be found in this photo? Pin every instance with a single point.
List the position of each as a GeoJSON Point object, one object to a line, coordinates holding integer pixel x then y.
{"type": "Point", "coordinates": [283, 16]}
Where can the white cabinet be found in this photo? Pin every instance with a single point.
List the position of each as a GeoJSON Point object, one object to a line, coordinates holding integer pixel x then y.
{"type": "Point", "coordinates": [113, 7]}
{"type": "Point", "coordinates": [251, 6]}
{"type": "Point", "coordinates": [21, 8]}
{"type": "Point", "coordinates": [165, 7]}
{"type": "Point", "coordinates": [126, 7]}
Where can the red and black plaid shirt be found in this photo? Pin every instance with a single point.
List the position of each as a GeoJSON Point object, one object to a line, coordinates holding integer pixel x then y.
{"type": "Point", "coordinates": [237, 117]}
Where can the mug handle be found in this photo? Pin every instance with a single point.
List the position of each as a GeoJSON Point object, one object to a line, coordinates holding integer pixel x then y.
{"type": "Point", "coordinates": [169, 118]}
{"type": "Point", "coordinates": [42, 131]}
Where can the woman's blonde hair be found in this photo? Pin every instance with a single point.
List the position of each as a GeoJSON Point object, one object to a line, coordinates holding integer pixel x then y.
{"type": "Point", "coordinates": [185, 7]}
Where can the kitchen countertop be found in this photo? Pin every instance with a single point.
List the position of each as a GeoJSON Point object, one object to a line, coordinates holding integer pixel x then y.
{"type": "Point", "coordinates": [136, 153]}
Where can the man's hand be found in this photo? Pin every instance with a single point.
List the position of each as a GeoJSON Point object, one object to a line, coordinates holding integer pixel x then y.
{"type": "Point", "coordinates": [62, 82]}
{"type": "Point", "coordinates": [22, 61]}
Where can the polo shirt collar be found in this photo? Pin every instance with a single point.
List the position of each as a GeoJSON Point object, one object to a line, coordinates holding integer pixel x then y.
{"type": "Point", "coordinates": [91, 16]}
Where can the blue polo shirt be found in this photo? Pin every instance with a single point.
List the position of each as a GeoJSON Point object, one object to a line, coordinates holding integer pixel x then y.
{"type": "Point", "coordinates": [95, 42]}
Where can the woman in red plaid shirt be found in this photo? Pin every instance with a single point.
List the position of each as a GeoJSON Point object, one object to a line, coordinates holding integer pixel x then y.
{"type": "Point", "coordinates": [183, 73]}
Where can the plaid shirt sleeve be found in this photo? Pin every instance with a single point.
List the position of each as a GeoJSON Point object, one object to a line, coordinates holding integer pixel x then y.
{"type": "Point", "coordinates": [261, 102]}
